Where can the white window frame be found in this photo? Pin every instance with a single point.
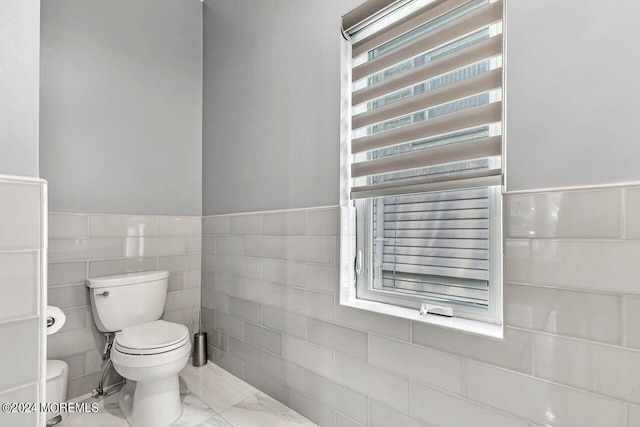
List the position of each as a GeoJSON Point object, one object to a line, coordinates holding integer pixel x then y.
{"type": "Point", "coordinates": [491, 324]}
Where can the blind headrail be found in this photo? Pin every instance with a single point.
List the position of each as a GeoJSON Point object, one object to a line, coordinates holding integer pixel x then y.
{"type": "Point", "coordinates": [367, 11]}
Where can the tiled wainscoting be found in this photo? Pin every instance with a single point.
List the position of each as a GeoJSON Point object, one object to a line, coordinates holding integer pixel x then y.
{"type": "Point", "coordinates": [22, 253]}
{"type": "Point", "coordinates": [570, 356]}
{"type": "Point", "coordinates": [93, 245]}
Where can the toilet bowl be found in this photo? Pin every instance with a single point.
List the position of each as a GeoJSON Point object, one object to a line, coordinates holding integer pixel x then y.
{"type": "Point", "coordinates": [150, 356]}
{"type": "Point", "coordinates": [148, 352]}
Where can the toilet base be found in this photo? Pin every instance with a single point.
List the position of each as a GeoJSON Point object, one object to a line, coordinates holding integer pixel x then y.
{"type": "Point", "coordinates": [151, 403]}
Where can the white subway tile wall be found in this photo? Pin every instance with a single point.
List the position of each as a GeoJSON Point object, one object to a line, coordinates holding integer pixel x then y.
{"type": "Point", "coordinates": [28, 393]}
{"type": "Point", "coordinates": [572, 312]}
{"type": "Point", "coordinates": [633, 416]}
{"type": "Point", "coordinates": [22, 244]}
{"type": "Point", "coordinates": [92, 245]}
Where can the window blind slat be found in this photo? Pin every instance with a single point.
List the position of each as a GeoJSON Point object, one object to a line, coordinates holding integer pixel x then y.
{"type": "Point", "coordinates": [485, 178]}
{"type": "Point", "coordinates": [437, 271]}
{"type": "Point", "coordinates": [434, 251]}
{"type": "Point", "coordinates": [479, 51]}
{"type": "Point", "coordinates": [473, 199]}
{"type": "Point", "coordinates": [441, 200]}
{"type": "Point", "coordinates": [438, 224]}
{"type": "Point", "coordinates": [448, 292]}
{"type": "Point", "coordinates": [471, 86]}
{"type": "Point", "coordinates": [476, 148]}
{"type": "Point", "coordinates": [437, 126]}
{"type": "Point", "coordinates": [466, 263]}
{"type": "Point", "coordinates": [440, 243]}
{"type": "Point", "coordinates": [437, 234]}
{"type": "Point", "coordinates": [449, 214]}
{"type": "Point", "coordinates": [480, 18]}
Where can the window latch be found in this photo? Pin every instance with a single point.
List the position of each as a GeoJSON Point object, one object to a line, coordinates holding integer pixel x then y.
{"type": "Point", "coordinates": [435, 309]}
{"type": "Point", "coordinates": [359, 262]}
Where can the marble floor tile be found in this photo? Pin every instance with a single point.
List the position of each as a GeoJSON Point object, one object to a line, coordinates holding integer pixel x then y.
{"type": "Point", "coordinates": [216, 421]}
{"type": "Point", "coordinates": [212, 397]}
{"type": "Point", "coordinates": [215, 386]}
{"type": "Point", "coordinates": [108, 415]}
{"type": "Point", "coordinates": [195, 412]}
{"type": "Point", "coordinates": [260, 410]}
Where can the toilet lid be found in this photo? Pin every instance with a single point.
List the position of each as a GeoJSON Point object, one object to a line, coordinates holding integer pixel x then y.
{"type": "Point", "coordinates": [151, 338]}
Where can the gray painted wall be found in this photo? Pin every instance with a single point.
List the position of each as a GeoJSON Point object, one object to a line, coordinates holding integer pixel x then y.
{"type": "Point", "coordinates": [121, 106]}
{"type": "Point", "coordinates": [572, 93]}
{"type": "Point", "coordinates": [19, 45]}
{"type": "Point", "coordinates": [271, 104]}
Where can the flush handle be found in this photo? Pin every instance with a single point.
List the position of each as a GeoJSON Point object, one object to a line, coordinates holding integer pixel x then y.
{"type": "Point", "coordinates": [104, 294]}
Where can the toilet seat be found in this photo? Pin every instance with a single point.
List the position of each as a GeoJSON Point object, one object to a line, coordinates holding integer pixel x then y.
{"type": "Point", "coordinates": [151, 338]}
{"type": "Point", "coordinates": [151, 345]}
{"type": "Point", "coordinates": [147, 361]}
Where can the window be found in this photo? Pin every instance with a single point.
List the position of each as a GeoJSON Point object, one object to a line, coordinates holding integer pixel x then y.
{"type": "Point", "coordinates": [423, 155]}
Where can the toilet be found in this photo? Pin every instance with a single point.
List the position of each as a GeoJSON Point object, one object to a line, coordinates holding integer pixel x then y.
{"type": "Point", "coordinates": [148, 352]}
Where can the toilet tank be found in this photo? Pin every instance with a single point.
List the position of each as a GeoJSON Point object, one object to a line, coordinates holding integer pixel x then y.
{"type": "Point", "coordinates": [127, 299]}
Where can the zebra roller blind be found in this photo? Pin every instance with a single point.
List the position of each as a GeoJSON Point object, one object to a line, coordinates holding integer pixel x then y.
{"type": "Point", "coordinates": [427, 100]}
{"type": "Point", "coordinates": [426, 142]}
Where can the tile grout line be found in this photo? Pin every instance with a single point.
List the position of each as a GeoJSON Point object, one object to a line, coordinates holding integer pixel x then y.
{"type": "Point", "coordinates": [533, 353]}
{"type": "Point", "coordinates": [463, 377]}
{"type": "Point", "coordinates": [624, 313]}
{"type": "Point", "coordinates": [623, 214]}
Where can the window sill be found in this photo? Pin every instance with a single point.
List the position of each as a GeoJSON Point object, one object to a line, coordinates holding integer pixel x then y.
{"type": "Point", "coordinates": [456, 323]}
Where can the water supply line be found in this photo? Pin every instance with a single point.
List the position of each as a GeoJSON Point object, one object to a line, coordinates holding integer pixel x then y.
{"type": "Point", "coordinates": [99, 391]}
{"type": "Point", "coordinates": [106, 355]}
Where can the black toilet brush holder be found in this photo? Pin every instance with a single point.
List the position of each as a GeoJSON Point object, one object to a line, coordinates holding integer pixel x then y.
{"type": "Point", "coordinates": [200, 349]}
